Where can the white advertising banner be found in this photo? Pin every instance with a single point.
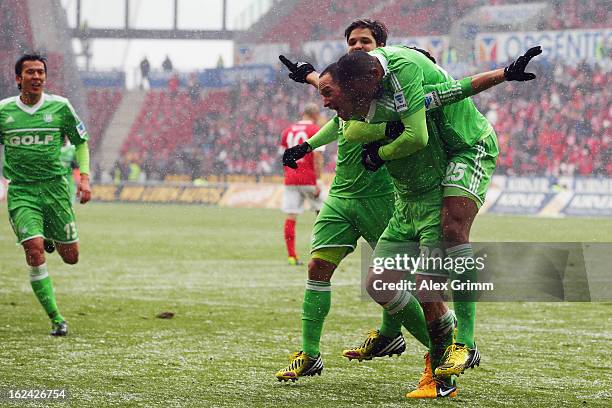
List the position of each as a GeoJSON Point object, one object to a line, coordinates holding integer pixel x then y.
{"type": "Point", "coordinates": [571, 46]}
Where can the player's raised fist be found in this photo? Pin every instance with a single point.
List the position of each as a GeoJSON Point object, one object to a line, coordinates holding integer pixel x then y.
{"type": "Point", "coordinates": [516, 70]}
{"type": "Point", "coordinates": [295, 153]}
{"type": "Point", "coordinates": [298, 70]}
{"type": "Point", "coordinates": [370, 158]}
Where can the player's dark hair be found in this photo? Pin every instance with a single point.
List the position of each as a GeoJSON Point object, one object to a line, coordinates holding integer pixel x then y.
{"type": "Point", "coordinates": [332, 70]}
{"type": "Point", "coordinates": [29, 57]}
{"type": "Point", "coordinates": [378, 28]}
{"type": "Point", "coordinates": [354, 67]}
{"type": "Point", "coordinates": [427, 54]}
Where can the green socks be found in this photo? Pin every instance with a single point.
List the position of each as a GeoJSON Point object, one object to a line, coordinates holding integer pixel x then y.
{"type": "Point", "coordinates": [43, 289]}
{"type": "Point", "coordinates": [404, 309]}
{"type": "Point", "coordinates": [317, 301]}
{"type": "Point", "coordinates": [441, 335]}
{"type": "Point", "coordinates": [464, 302]}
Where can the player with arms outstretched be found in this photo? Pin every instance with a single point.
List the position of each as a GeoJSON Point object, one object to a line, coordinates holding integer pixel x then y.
{"type": "Point", "coordinates": [32, 129]}
{"type": "Point", "coordinates": [396, 76]}
{"type": "Point", "coordinates": [302, 183]}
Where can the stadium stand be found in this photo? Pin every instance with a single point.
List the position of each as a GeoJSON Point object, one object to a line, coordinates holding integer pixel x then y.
{"type": "Point", "coordinates": [103, 101]}
{"type": "Point", "coordinates": [413, 18]}
{"type": "Point", "coordinates": [172, 136]}
{"type": "Point", "coordinates": [175, 136]}
{"type": "Point", "coordinates": [560, 125]}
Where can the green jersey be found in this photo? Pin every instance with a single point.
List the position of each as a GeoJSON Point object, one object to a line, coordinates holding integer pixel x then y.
{"type": "Point", "coordinates": [34, 135]}
{"type": "Point", "coordinates": [423, 170]}
{"type": "Point", "coordinates": [352, 180]}
{"type": "Point", "coordinates": [407, 71]}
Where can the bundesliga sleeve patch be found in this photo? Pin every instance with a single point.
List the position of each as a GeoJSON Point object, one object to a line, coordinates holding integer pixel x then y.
{"type": "Point", "coordinates": [81, 128]}
{"type": "Point", "coordinates": [400, 101]}
{"type": "Point", "coordinates": [432, 101]}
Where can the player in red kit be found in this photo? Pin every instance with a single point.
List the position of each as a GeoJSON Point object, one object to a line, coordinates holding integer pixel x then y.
{"type": "Point", "coordinates": [301, 183]}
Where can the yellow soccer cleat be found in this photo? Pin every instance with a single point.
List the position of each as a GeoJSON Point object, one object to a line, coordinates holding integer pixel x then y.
{"type": "Point", "coordinates": [458, 358]}
{"type": "Point", "coordinates": [433, 389]}
{"type": "Point", "coordinates": [301, 364]}
{"type": "Point", "coordinates": [377, 345]}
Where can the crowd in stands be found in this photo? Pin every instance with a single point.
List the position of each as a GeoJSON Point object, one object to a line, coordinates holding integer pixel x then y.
{"type": "Point", "coordinates": [559, 124]}
{"type": "Point", "coordinates": [235, 131]}
{"type": "Point", "coordinates": [418, 18]}
{"type": "Point", "coordinates": [556, 125]}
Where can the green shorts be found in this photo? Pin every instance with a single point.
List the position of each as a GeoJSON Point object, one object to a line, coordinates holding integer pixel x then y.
{"type": "Point", "coordinates": [469, 171]}
{"type": "Point", "coordinates": [42, 210]}
{"type": "Point", "coordinates": [414, 229]}
{"type": "Point", "coordinates": [342, 221]}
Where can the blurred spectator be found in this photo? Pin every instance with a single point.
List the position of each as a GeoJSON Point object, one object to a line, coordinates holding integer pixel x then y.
{"type": "Point", "coordinates": [145, 70]}
{"type": "Point", "coordinates": [193, 88]}
{"type": "Point", "coordinates": [173, 85]}
{"type": "Point", "coordinates": [167, 65]}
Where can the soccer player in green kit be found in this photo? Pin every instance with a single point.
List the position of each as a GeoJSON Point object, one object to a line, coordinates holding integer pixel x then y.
{"type": "Point", "coordinates": [394, 77]}
{"type": "Point", "coordinates": [32, 129]}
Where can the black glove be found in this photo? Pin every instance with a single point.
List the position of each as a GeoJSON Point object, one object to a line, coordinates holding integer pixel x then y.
{"type": "Point", "coordinates": [369, 156]}
{"type": "Point", "coordinates": [394, 129]}
{"type": "Point", "coordinates": [516, 70]}
{"type": "Point", "coordinates": [299, 70]}
{"type": "Point", "coordinates": [295, 153]}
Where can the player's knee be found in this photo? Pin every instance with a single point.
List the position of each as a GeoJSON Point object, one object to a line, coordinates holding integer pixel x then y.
{"type": "Point", "coordinates": [455, 230]}
{"type": "Point", "coordinates": [320, 270]}
{"type": "Point", "coordinates": [372, 286]}
{"type": "Point", "coordinates": [70, 254]}
{"type": "Point", "coordinates": [35, 255]}
{"type": "Point", "coordinates": [425, 292]}
{"type": "Point", "coordinates": [71, 258]}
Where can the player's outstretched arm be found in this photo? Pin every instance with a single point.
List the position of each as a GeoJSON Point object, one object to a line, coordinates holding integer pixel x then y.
{"type": "Point", "coordinates": [356, 131]}
{"type": "Point", "coordinates": [513, 72]}
{"type": "Point", "coordinates": [82, 158]}
{"type": "Point", "coordinates": [327, 134]}
{"type": "Point", "coordinates": [302, 72]}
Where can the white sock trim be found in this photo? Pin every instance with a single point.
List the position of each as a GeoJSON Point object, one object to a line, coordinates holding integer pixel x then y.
{"type": "Point", "coordinates": [39, 272]}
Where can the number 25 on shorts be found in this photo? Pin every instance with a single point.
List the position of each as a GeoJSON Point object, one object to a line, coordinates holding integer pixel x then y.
{"type": "Point", "coordinates": [454, 172]}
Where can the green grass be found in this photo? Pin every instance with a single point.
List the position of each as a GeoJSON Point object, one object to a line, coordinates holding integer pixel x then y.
{"type": "Point", "coordinates": [237, 305]}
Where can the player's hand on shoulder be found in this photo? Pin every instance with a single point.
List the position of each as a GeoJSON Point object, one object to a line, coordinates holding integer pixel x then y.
{"type": "Point", "coordinates": [295, 153]}
{"type": "Point", "coordinates": [84, 190]}
{"type": "Point", "coordinates": [298, 70]}
{"type": "Point", "coordinates": [516, 70]}
{"type": "Point", "coordinates": [369, 156]}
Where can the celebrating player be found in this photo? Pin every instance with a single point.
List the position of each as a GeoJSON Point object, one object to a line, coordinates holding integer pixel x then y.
{"type": "Point", "coordinates": [395, 76]}
{"type": "Point", "coordinates": [301, 183]}
{"type": "Point", "coordinates": [32, 129]}
{"type": "Point", "coordinates": [361, 38]}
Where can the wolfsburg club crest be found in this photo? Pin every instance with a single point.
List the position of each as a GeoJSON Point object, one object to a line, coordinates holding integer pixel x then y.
{"type": "Point", "coordinates": [48, 117]}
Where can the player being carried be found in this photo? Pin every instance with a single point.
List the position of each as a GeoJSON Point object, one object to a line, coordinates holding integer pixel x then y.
{"type": "Point", "coordinates": [302, 183]}
{"type": "Point", "coordinates": [388, 85]}
{"type": "Point", "coordinates": [32, 129]}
